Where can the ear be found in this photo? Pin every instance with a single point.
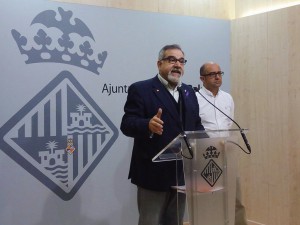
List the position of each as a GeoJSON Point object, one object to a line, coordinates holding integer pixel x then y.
{"type": "Point", "coordinates": [158, 63]}
{"type": "Point", "coordinates": [202, 78]}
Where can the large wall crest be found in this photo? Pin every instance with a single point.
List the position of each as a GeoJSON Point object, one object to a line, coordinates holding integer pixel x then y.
{"type": "Point", "coordinates": [61, 134]}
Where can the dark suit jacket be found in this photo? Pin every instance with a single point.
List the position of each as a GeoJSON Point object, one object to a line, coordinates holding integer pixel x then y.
{"type": "Point", "coordinates": [143, 101]}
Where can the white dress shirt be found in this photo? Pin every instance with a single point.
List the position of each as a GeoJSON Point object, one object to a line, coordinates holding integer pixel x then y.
{"type": "Point", "coordinates": [211, 118]}
{"type": "Point", "coordinates": [173, 91]}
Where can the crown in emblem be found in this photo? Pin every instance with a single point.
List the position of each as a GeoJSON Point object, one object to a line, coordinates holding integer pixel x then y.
{"type": "Point", "coordinates": [211, 152]}
{"type": "Point", "coordinates": [71, 43]}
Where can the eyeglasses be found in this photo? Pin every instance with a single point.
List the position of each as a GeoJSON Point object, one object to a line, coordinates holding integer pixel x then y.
{"type": "Point", "coordinates": [173, 60]}
{"type": "Point", "coordinates": [214, 74]}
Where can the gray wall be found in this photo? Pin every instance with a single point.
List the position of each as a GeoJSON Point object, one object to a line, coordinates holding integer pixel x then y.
{"type": "Point", "coordinates": [38, 98]}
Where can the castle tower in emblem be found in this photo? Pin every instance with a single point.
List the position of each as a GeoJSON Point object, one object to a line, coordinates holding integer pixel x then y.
{"type": "Point", "coordinates": [81, 119]}
{"type": "Point", "coordinates": [53, 157]}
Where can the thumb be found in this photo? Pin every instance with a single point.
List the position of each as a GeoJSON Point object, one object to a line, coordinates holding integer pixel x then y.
{"type": "Point", "coordinates": [159, 112]}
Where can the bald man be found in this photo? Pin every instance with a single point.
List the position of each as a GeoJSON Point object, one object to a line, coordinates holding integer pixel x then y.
{"type": "Point", "coordinates": [211, 77]}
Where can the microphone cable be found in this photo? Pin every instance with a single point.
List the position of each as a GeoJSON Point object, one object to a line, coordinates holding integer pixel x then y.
{"type": "Point", "coordinates": [241, 130]}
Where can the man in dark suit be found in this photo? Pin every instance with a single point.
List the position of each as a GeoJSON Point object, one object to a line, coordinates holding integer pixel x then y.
{"type": "Point", "coordinates": [153, 117]}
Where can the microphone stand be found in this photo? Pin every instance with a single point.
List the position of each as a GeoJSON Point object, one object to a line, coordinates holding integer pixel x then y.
{"type": "Point", "coordinates": [183, 134]}
{"type": "Point", "coordinates": [241, 130]}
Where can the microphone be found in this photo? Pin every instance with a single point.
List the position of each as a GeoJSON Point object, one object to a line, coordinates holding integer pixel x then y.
{"type": "Point", "coordinates": [180, 100]}
{"type": "Point", "coordinates": [196, 89]}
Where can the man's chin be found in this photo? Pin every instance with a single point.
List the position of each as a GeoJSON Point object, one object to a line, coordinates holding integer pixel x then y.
{"type": "Point", "coordinates": [174, 80]}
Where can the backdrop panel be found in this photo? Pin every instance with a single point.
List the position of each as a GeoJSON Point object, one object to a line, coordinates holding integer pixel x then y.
{"type": "Point", "coordinates": [65, 71]}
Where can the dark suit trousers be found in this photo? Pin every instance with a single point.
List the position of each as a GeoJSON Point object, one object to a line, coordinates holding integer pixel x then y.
{"type": "Point", "coordinates": [160, 208]}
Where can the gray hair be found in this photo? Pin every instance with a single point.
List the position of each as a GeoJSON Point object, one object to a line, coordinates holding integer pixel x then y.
{"type": "Point", "coordinates": [161, 53]}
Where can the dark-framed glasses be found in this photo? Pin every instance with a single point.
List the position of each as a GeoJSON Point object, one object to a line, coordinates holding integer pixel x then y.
{"type": "Point", "coordinates": [214, 74]}
{"type": "Point", "coordinates": [173, 60]}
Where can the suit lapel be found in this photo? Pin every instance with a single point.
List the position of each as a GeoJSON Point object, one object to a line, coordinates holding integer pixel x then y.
{"type": "Point", "coordinates": [164, 97]}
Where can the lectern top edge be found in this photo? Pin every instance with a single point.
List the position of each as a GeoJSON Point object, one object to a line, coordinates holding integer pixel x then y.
{"type": "Point", "coordinates": [173, 150]}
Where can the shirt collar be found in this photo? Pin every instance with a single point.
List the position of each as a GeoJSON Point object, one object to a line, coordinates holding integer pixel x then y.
{"type": "Point", "coordinates": [208, 92]}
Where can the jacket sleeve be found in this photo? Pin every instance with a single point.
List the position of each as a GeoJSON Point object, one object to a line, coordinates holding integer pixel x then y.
{"type": "Point", "coordinates": [134, 121]}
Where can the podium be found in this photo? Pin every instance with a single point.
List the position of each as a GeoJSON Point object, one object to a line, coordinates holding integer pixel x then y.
{"type": "Point", "coordinates": [209, 171]}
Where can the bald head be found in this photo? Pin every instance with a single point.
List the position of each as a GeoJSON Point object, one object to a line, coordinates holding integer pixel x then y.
{"type": "Point", "coordinates": [211, 76]}
{"type": "Point", "coordinates": [203, 68]}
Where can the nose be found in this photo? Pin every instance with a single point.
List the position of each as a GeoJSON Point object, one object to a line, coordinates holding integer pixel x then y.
{"type": "Point", "coordinates": [177, 63]}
